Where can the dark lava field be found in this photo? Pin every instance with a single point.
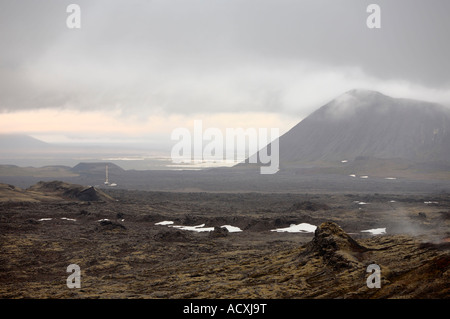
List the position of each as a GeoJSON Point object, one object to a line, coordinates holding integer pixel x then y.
{"type": "Point", "coordinates": [139, 244]}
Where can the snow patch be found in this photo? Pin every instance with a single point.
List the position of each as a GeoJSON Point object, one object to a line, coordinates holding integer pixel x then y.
{"type": "Point", "coordinates": [300, 228]}
{"type": "Point", "coordinates": [231, 229]}
{"type": "Point", "coordinates": [165, 222]}
{"type": "Point", "coordinates": [198, 228]}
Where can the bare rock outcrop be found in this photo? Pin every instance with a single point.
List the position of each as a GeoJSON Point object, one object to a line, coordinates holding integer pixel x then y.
{"type": "Point", "coordinates": [218, 232]}
{"type": "Point", "coordinates": [335, 246]}
{"type": "Point", "coordinates": [110, 225]}
{"type": "Point", "coordinates": [171, 235]}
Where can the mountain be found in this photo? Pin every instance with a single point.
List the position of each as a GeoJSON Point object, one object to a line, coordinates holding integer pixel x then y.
{"type": "Point", "coordinates": [21, 142]}
{"type": "Point", "coordinates": [367, 124]}
{"type": "Point", "coordinates": [97, 167]}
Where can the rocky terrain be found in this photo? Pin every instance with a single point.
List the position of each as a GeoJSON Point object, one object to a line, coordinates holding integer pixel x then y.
{"type": "Point", "coordinates": [138, 244]}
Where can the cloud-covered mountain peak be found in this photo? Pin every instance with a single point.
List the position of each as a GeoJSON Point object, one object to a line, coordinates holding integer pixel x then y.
{"type": "Point", "coordinates": [368, 123]}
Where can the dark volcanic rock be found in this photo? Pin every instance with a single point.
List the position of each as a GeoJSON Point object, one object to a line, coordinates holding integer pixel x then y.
{"type": "Point", "coordinates": [335, 246]}
{"type": "Point", "coordinates": [172, 236]}
{"type": "Point", "coordinates": [219, 232]}
{"type": "Point", "coordinates": [88, 194]}
{"type": "Point", "coordinates": [32, 221]}
{"type": "Point", "coordinates": [422, 215]}
{"type": "Point", "coordinates": [110, 225]}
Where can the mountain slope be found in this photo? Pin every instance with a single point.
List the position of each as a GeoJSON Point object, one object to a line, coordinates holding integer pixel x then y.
{"type": "Point", "coordinates": [363, 123]}
{"type": "Point", "coordinates": [21, 142]}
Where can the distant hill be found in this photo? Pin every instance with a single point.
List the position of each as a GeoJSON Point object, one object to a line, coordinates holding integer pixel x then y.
{"type": "Point", "coordinates": [21, 142]}
{"type": "Point", "coordinates": [70, 191]}
{"type": "Point", "coordinates": [367, 124]}
{"type": "Point", "coordinates": [82, 173]}
{"type": "Point", "coordinates": [98, 167]}
{"type": "Point", "coordinates": [51, 191]}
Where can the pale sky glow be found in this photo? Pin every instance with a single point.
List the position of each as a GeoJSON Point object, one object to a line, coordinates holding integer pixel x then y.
{"type": "Point", "coordinates": [52, 125]}
{"type": "Point", "coordinates": [139, 69]}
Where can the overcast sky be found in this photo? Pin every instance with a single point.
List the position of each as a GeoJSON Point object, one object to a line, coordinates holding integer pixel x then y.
{"type": "Point", "coordinates": [141, 68]}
